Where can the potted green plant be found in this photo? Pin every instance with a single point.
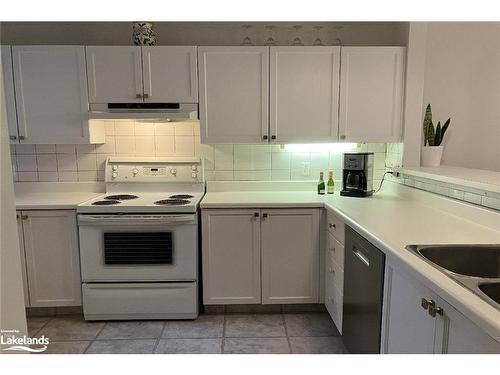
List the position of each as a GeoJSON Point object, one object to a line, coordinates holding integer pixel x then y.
{"type": "Point", "coordinates": [432, 151]}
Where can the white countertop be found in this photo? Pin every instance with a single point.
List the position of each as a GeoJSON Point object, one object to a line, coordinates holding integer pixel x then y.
{"type": "Point", "coordinates": [54, 196]}
{"type": "Point", "coordinates": [395, 217]}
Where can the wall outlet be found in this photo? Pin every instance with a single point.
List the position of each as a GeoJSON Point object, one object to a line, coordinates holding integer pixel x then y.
{"type": "Point", "coordinates": [306, 168]}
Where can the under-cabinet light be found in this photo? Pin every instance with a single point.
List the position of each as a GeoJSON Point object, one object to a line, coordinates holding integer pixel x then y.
{"type": "Point", "coordinates": [320, 147]}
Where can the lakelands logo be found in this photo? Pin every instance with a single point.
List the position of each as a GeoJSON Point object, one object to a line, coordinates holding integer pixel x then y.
{"type": "Point", "coordinates": [12, 342]}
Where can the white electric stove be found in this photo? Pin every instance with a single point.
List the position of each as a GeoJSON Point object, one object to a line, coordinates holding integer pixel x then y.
{"type": "Point", "coordinates": [139, 240]}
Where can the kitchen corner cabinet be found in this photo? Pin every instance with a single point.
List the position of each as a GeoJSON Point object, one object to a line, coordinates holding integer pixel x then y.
{"type": "Point", "coordinates": [135, 74]}
{"type": "Point", "coordinates": [408, 326]}
{"type": "Point", "coordinates": [371, 94]}
{"type": "Point", "coordinates": [49, 243]}
{"type": "Point", "coordinates": [304, 92]}
{"type": "Point", "coordinates": [50, 85]}
{"type": "Point", "coordinates": [253, 256]}
{"type": "Point", "coordinates": [234, 84]}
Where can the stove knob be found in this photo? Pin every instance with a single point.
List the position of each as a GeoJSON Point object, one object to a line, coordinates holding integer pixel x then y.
{"type": "Point", "coordinates": [114, 175]}
{"type": "Point", "coordinates": [194, 167]}
{"type": "Point", "coordinates": [115, 167]}
{"type": "Point", "coordinates": [194, 175]}
{"type": "Point", "coordinates": [173, 171]}
{"type": "Point", "coordinates": [135, 171]}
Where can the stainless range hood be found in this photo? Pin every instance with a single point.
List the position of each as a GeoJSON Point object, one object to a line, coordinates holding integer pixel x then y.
{"type": "Point", "coordinates": [163, 111]}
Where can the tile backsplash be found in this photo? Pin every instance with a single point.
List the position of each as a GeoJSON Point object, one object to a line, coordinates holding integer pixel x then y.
{"type": "Point", "coordinates": [163, 139]}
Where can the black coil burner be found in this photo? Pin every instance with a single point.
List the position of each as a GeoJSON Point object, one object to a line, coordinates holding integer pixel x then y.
{"type": "Point", "coordinates": [105, 203]}
{"type": "Point", "coordinates": [172, 202]}
{"type": "Point", "coordinates": [121, 197]}
{"type": "Point", "coordinates": [181, 196]}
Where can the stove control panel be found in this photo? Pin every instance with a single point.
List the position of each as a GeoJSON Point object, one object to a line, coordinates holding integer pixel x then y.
{"type": "Point", "coordinates": [130, 170]}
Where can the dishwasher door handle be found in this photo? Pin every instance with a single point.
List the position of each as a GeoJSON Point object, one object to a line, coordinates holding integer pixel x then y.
{"type": "Point", "coordinates": [361, 256]}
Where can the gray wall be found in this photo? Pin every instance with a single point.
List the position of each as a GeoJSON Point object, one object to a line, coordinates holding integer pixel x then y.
{"type": "Point", "coordinates": [202, 33]}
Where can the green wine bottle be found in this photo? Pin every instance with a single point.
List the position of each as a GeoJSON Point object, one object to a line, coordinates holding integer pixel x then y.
{"type": "Point", "coordinates": [330, 185]}
{"type": "Point", "coordinates": [321, 184]}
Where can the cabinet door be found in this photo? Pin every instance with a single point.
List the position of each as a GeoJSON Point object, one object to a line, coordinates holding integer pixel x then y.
{"type": "Point", "coordinates": [231, 256]}
{"type": "Point", "coordinates": [170, 74]}
{"type": "Point", "coordinates": [51, 246]}
{"type": "Point", "coordinates": [459, 335]}
{"type": "Point", "coordinates": [23, 258]}
{"type": "Point", "coordinates": [290, 256]}
{"type": "Point", "coordinates": [233, 94]}
{"type": "Point", "coordinates": [304, 94]}
{"type": "Point", "coordinates": [51, 93]}
{"type": "Point", "coordinates": [409, 329]}
{"type": "Point", "coordinates": [371, 93]}
{"type": "Point", "coordinates": [10, 96]}
{"type": "Point", "coordinates": [115, 74]}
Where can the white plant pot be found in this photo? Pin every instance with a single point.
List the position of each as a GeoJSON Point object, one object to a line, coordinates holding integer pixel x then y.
{"type": "Point", "coordinates": [431, 156]}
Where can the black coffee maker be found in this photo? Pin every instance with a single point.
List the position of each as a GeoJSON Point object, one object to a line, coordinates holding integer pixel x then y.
{"type": "Point", "coordinates": [357, 176]}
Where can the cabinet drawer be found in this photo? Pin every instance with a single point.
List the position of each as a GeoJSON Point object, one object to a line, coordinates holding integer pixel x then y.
{"type": "Point", "coordinates": [334, 305]}
{"type": "Point", "coordinates": [336, 250]}
{"type": "Point", "coordinates": [335, 274]}
{"type": "Point", "coordinates": [335, 227]}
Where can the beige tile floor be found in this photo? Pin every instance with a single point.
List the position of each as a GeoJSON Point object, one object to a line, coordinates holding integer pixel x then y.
{"type": "Point", "coordinates": [256, 333]}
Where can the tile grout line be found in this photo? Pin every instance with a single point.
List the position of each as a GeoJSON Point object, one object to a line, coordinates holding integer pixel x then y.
{"type": "Point", "coordinates": [159, 337]}
{"type": "Point", "coordinates": [95, 337]}
{"type": "Point", "coordinates": [223, 343]}
{"type": "Point", "coordinates": [42, 327]}
{"type": "Point", "coordinates": [286, 333]}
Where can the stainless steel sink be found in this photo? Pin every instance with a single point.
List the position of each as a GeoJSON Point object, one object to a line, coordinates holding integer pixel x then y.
{"type": "Point", "coordinates": [477, 267]}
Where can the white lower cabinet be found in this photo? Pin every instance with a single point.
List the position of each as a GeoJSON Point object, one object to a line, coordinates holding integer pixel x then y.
{"type": "Point", "coordinates": [408, 326]}
{"type": "Point", "coordinates": [52, 262]}
{"type": "Point", "coordinates": [254, 256]}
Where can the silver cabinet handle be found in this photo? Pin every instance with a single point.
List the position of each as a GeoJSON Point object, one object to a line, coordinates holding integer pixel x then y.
{"type": "Point", "coordinates": [24, 217]}
{"type": "Point", "coordinates": [264, 137]}
{"type": "Point", "coordinates": [13, 137]}
{"type": "Point", "coordinates": [138, 96]}
{"type": "Point", "coordinates": [264, 216]}
{"type": "Point", "coordinates": [145, 96]}
{"type": "Point", "coordinates": [361, 256]}
{"type": "Point", "coordinates": [425, 303]}
{"type": "Point", "coordinates": [342, 137]}
{"type": "Point", "coordinates": [435, 310]}
{"type": "Point", "coordinates": [22, 137]}
{"type": "Point", "coordinates": [273, 137]}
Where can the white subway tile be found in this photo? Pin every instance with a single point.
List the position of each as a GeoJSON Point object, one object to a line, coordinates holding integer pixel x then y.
{"type": "Point", "coordinates": [65, 149]}
{"type": "Point", "coordinates": [144, 128]}
{"type": "Point", "coordinates": [164, 128]}
{"type": "Point", "coordinates": [376, 147]}
{"type": "Point", "coordinates": [280, 174]}
{"type": "Point", "coordinates": [108, 147]}
{"type": "Point", "coordinates": [27, 176]}
{"type": "Point", "coordinates": [48, 176]}
{"type": "Point", "coordinates": [125, 144]}
{"type": "Point", "coordinates": [165, 145]}
{"type": "Point", "coordinates": [85, 149]}
{"type": "Point", "coordinates": [456, 194]}
{"type": "Point", "coordinates": [124, 127]}
{"type": "Point", "coordinates": [26, 163]}
{"type": "Point", "coordinates": [68, 176]}
{"type": "Point", "coordinates": [109, 127]}
{"type": "Point", "coordinates": [223, 158]}
{"type": "Point", "coordinates": [196, 128]}
{"type": "Point", "coordinates": [281, 160]}
{"type": "Point", "coordinates": [442, 190]}
{"type": "Point", "coordinates": [22, 149]}
{"type": "Point", "coordinates": [145, 145]}
{"type": "Point", "coordinates": [379, 160]}
{"type": "Point", "coordinates": [45, 149]}
{"type": "Point", "coordinates": [298, 158]}
{"type": "Point", "coordinates": [184, 128]}
{"type": "Point", "coordinates": [320, 160]}
{"type": "Point", "coordinates": [205, 152]}
{"type": "Point", "coordinates": [66, 162]}
{"type": "Point", "coordinates": [223, 175]}
{"type": "Point", "coordinates": [87, 162]}
{"type": "Point", "coordinates": [47, 162]}
{"type": "Point", "coordinates": [87, 175]}
{"type": "Point", "coordinates": [209, 175]}
{"type": "Point", "coordinates": [184, 145]}
{"type": "Point", "coordinates": [101, 161]}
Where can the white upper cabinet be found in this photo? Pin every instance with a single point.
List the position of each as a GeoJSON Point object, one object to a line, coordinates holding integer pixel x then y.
{"type": "Point", "coordinates": [10, 99]}
{"type": "Point", "coordinates": [234, 84]}
{"type": "Point", "coordinates": [51, 95]}
{"type": "Point", "coordinates": [371, 94]}
{"type": "Point", "coordinates": [115, 74]}
{"type": "Point", "coordinates": [290, 256]}
{"type": "Point", "coordinates": [52, 259]}
{"type": "Point", "coordinates": [170, 74]}
{"type": "Point", "coordinates": [304, 93]}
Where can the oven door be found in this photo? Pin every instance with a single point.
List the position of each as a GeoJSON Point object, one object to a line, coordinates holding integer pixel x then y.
{"type": "Point", "coordinates": [138, 247]}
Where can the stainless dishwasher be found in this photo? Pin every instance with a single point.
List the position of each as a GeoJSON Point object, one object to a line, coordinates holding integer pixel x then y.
{"type": "Point", "coordinates": [363, 291]}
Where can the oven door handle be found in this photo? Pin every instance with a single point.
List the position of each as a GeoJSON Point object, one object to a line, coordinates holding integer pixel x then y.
{"type": "Point", "coordinates": [135, 219]}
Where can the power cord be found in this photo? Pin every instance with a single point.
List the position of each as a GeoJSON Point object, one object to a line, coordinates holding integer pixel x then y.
{"type": "Point", "coordinates": [381, 181]}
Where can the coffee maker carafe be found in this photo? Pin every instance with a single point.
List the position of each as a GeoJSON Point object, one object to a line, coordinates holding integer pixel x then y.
{"type": "Point", "coordinates": [357, 176]}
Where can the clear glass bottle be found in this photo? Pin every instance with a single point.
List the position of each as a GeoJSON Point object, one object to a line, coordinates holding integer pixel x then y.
{"type": "Point", "coordinates": [321, 184]}
{"type": "Point", "coordinates": [330, 185]}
